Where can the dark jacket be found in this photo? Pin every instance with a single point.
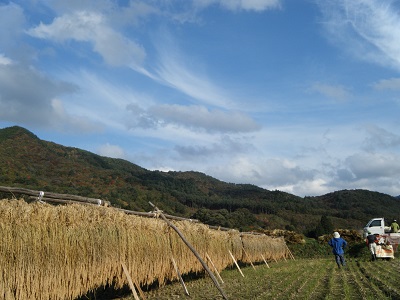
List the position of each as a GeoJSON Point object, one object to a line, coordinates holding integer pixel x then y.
{"type": "Point", "coordinates": [371, 238]}
{"type": "Point", "coordinates": [338, 245]}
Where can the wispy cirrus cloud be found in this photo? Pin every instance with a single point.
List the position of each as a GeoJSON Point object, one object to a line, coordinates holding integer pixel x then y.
{"type": "Point", "coordinates": [235, 5]}
{"type": "Point", "coordinates": [368, 29]}
{"type": "Point", "coordinates": [174, 72]}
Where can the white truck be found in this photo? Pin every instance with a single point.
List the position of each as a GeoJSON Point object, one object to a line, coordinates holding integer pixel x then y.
{"type": "Point", "coordinates": [387, 241]}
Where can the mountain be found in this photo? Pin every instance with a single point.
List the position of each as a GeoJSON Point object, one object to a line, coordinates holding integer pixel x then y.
{"type": "Point", "coordinates": [29, 162]}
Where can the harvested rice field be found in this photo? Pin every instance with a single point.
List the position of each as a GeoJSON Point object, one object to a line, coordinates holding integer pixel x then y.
{"type": "Point", "coordinates": [296, 279]}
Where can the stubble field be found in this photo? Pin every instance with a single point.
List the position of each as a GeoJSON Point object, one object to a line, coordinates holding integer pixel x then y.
{"type": "Point", "coordinates": [296, 279]}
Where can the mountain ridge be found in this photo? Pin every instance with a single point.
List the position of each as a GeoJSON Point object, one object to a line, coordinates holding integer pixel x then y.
{"type": "Point", "coordinates": [29, 162]}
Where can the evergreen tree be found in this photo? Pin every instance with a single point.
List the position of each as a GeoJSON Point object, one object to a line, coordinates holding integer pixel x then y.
{"type": "Point", "coordinates": [325, 226]}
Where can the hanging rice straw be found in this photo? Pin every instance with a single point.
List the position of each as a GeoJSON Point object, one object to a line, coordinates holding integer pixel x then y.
{"type": "Point", "coordinates": [66, 251]}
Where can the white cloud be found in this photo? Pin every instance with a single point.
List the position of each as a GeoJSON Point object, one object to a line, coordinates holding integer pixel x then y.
{"type": "Point", "coordinates": [224, 146]}
{"type": "Point", "coordinates": [109, 150]}
{"type": "Point", "coordinates": [64, 121]}
{"type": "Point", "coordinates": [373, 165]}
{"type": "Point", "coordinates": [4, 60]}
{"type": "Point", "coordinates": [234, 5]}
{"type": "Point", "coordinates": [197, 86]}
{"type": "Point", "coordinates": [85, 26]}
{"type": "Point", "coordinates": [135, 11]}
{"type": "Point", "coordinates": [37, 102]}
{"type": "Point", "coordinates": [195, 116]}
{"type": "Point", "coordinates": [388, 84]}
{"type": "Point", "coordinates": [123, 107]}
{"type": "Point", "coordinates": [103, 101]}
{"type": "Point", "coordinates": [333, 91]}
{"type": "Point", "coordinates": [369, 29]}
{"type": "Point", "coordinates": [380, 139]}
{"type": "Point", "coordinates": [36, 88]}
{"type": "Point", "coordinates": [269, 173]}
{"type": "Point", "coordinates": [313, 187]}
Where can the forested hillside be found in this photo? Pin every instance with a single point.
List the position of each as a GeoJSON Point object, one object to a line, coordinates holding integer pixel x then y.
{"type": "Point", "coordinates": [29, 162]}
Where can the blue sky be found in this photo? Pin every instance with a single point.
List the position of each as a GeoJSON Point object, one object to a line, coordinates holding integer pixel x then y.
{"type": "Point", "coordinates": [301, 96]}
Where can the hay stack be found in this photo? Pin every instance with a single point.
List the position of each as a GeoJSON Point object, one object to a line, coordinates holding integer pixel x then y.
{"type": "Point", "coordinates": [350, 235]}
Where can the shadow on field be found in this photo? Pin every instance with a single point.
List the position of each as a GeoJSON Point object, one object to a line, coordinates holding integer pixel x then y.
{"type": "Point", "coordinates": [109, 292]}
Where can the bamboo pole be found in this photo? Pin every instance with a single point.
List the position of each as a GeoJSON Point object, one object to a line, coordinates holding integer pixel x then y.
{"type": "Point", "coordinates": [220, 228]}
{"type": "Point", "coordinates": [70, 199]}
{"type": "Point", "coordinates": [264, 260]}
{"type": "Point", "coordinates": [191, 249]}
{"type": "Point", "coordinates": [290, 253]}
{"type": "Point", "coordinates": [54, 195]}
{"type": "Point", "coordinates": [249, 258]}
{"type": "Point", "coordinates": [153, 215]}
{"type": "Point", "coordinates": [131, 285]}
{"type": "Point", "coordinates": [215, 269]}
{"type": "Point", "coordinates": [179, 276]}
{"type": "Point", "coordinates": [234, 260]}
{"type": "Point", "coordinates": [55, 200]}
{"type": "Point", "coordinates": [137, 285]}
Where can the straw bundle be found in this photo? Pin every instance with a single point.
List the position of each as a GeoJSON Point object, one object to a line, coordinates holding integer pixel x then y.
{"type": "Point", "coordinates": [216, 244]}
{"type": "Point", "coordinates": [220, 243]}
{"type": "Point", "coordinates": [62, 252]}
{"type": "Point", "coordinates": [269, 247]}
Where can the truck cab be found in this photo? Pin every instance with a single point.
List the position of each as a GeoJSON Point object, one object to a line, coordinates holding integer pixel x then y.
{"type": "Point", "coordinates": [376, 226]}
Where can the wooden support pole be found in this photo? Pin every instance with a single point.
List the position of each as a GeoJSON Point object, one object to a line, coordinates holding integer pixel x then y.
{"type": "Point", "coordinates": [137, 285]}
{"type": "Point", "coordinates": [191, 249]}
{"type": "Point", "coordinates": [179, 276]}
{"type": "Point", "coordinates": [264, 260]}
{"type": "Point", "coordinates": [249, 258]}
{"type": "Point", "coordinates": [131, 285]}
{"type": "Point", "coordinates": [290, 253]}
{"type": "Point", "coordinates": [234, 260]}
{"type": "Point", "coordinates": [215, 269]}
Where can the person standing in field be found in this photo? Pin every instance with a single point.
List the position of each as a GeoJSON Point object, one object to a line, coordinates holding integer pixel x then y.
{"type": "Point", "coordinates": [371, 243]}
{"type": "Point", "coordinates": [338, 244]}
{"type": "Point", "coordinates": [394, 227]}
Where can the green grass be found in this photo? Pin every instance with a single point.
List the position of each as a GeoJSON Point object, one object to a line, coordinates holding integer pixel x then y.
{"type": "Point", "coordinates": [295, 279]}
{"type": "Point", "coordinates": [312, 275]}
